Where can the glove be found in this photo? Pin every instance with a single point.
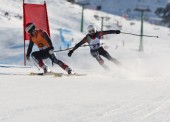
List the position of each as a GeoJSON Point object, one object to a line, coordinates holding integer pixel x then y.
{"type": "Point", "coordinates": [70, 53]}
{"type": "Point", "coordinates": [117, 31]}
{"type": "Point", "coordinates": [28, 58]}
{"type": "Point", "coordinates": [51, 50]}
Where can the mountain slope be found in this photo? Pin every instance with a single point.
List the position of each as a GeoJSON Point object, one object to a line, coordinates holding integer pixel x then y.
{"type": "Point", "coordinates": [136, 91]}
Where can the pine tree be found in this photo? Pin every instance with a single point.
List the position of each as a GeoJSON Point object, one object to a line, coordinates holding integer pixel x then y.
{"type": "Point", "coordinates": [164, 13]}
{"type": "Point", "coordinates": [72, 1]}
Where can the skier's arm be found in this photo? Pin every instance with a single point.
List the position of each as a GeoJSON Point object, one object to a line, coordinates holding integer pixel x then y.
{"type": "Point", "coordinates": [80, 43]}
{"type": "Point", "coordinates": [109, 32]}
{"type": "Point", "coordinates": [29, 50]}
{"type": "Point", "coordinates": [77, 46]}
{"type": "Point", "coordinates": [51, 48]}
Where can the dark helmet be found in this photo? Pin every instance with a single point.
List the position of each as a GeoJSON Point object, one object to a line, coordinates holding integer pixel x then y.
{"type": "Point", "coordinates": [30, 27]}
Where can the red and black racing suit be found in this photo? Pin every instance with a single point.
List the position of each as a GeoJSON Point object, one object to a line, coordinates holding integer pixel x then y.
{"type": "Point", "coordinates": [95, 48]}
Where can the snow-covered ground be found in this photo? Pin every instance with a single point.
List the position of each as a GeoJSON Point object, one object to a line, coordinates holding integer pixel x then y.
{"type": "Point", "coordinates": [137, 91]}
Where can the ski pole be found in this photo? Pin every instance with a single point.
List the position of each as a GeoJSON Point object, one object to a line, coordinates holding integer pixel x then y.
{"type": "Point", "coordinates": [139, 35]}
{"type": "Point", "coordinates": [80, 46]}
{"type": "Point", "coordinates": [64, 49]}
{"type": "Point", "coordinates": [36, 66]}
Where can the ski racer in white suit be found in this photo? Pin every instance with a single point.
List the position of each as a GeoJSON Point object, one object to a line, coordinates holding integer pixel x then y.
{"type": "Point", "coordinates": [93, 39]}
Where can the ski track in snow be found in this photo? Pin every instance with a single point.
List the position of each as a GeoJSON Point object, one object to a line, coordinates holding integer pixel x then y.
{"type": "Point", "coordinates": [134, 101]}
{"type": "Point", "coordinates": [137, 91]}
{"type": "Point", "coordinates": [138, 106]}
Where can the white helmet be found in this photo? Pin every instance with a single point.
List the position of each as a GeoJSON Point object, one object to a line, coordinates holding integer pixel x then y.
{"type": "Point", "coordinates": [30, 27]}
{"type": "Point", "coordinates": [91, 29]}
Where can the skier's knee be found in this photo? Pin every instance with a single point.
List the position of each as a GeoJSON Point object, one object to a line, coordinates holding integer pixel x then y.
{"type": "Point", "coordinates": [95, 54]}
{"type": "Point", "coordinates": [34, 56]}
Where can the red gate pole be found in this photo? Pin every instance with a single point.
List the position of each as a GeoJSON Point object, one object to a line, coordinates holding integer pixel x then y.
{"type": "Point", "coordinates": [24, 33]}
{"type": "Point", "coordinates": [47, 23]}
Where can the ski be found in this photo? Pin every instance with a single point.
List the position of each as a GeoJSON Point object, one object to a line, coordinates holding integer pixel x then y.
{"type": "Point", "coordinates": [10, 73]}
{"type": "Point", "coordinates": [73, 74]}
{"type": "Point", "coordinates": [57, 74]}
{"type": "Point", "coordinates": [49, 73]}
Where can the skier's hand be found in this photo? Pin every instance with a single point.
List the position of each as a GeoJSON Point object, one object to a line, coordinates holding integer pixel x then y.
{"type": "Point", "coordinates": [117, 31]}
{"type": "Point", "coordinates": [51, 51]}
{"type": "Point", "coordinates": [28, 58]}
{"type": "Point", "coordinates": [70, 53]}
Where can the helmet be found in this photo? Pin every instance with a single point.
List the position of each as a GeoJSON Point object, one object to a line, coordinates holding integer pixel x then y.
{"type": "Point", "coordinates": [30, 27]}
{"type": "Point", "coordinates": [91, 29]}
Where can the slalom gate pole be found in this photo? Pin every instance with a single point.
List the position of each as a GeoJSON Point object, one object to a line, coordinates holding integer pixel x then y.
{"type": "Point", "coordinates": [139, 35]}
{"type": "Point", "coordinates": [80, 46]}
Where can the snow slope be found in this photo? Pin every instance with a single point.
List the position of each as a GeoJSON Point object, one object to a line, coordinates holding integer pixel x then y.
{"type": "Point", "coordinates": [137, 91]}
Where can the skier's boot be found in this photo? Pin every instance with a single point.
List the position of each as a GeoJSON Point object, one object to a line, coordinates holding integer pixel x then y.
{"type": "Point", "coordinates": [69, 70]}
{"type": "Point", "coordinates": [46, 69]}
{"type": "Point", "coordinates": [116, 62]}
{"type": "Point", "coordinates": [105, 67]}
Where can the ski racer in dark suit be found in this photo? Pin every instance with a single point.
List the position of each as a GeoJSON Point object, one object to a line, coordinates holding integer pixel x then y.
{"type": "Point", "coordinates": [93, 39]}
{"type": "Point", "coordinates": [44, 43]}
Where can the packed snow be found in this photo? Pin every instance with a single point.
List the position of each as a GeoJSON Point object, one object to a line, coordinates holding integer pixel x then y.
{"type": "Point", "coordinates": [136, 91]}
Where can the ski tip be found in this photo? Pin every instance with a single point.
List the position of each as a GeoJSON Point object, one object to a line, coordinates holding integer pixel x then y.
{"type": "Point", "coordinates": [33, 73]}
{"type": "Point", "coordinates": [76, 74]}
{"type": "Point", "coordinates": [58, 74]}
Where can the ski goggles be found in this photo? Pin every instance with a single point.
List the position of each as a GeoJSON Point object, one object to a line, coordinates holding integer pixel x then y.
{"type": "Point", "coordinates": [91, 31]}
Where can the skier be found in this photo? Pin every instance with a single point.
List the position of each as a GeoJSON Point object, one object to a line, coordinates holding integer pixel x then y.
{"type": "Point", "coordinates": [93, 39]}
{"type": "Point", "coordinates": [46, 49]}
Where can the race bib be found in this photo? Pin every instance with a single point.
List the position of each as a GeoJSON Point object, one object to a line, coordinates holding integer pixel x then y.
{"type": "Point", "coordinates": [95, 44]}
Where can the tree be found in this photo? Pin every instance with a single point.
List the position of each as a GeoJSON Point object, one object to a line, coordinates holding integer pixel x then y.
{"type": "Point", "coordinates": [72, 1]}
{"type": "Point", "coordinates": [164, 13]}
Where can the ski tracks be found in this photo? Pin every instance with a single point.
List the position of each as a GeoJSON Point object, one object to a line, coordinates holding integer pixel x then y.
{"type": "Point", "coordinates": [146, 105]}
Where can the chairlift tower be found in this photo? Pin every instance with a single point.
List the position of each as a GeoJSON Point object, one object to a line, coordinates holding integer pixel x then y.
{"type": "Point", "coordinates": [142, 9]}
{"type": "Point", "coordinates": [97, 17]}
{"type": "Point", "coordinates": [83, 3]}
